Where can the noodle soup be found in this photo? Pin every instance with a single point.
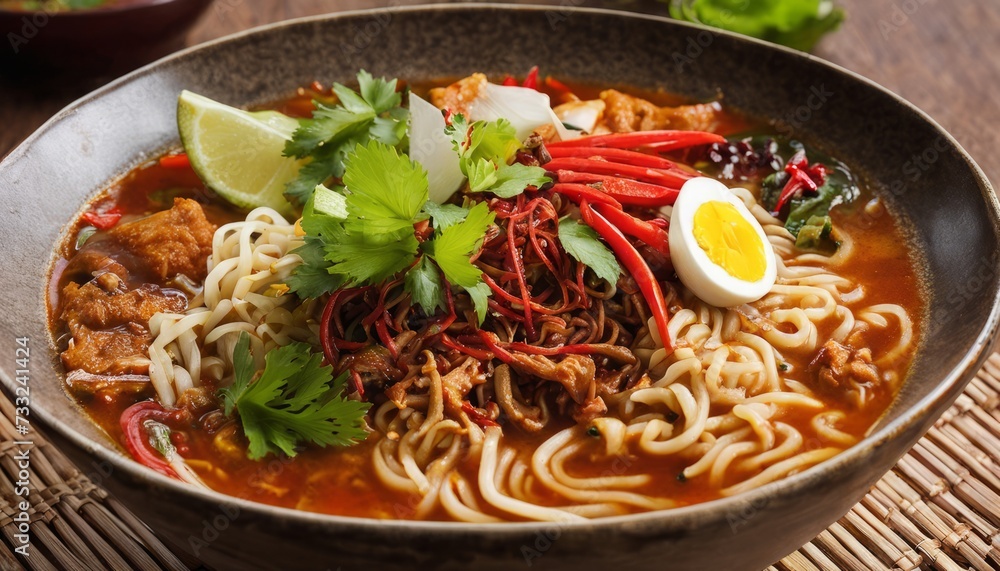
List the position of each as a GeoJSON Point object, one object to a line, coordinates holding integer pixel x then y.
{"type": "Point", "coordinates": [531, 387]}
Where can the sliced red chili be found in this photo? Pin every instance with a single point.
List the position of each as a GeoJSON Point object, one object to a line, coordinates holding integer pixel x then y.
{"type": "Point", "coordinates": [103, 220]}
{"type": "Point", "coordinates": [636, 266]}
{"type": "Point", "coordinates": [654, 236]}
{"type": "Point", "coordinates": [179, 161]}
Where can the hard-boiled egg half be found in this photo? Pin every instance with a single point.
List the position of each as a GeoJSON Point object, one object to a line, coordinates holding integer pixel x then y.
{"type": "Point", "coordinates": [718, 248]}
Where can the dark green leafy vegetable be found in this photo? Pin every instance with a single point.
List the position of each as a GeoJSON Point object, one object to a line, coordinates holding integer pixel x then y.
{"type": "Point", "coordinates": [294, 401]}
{"type": "Point", "coordinates": [831, 194]}
{"type": "Point", "coordinates": [795, 23]}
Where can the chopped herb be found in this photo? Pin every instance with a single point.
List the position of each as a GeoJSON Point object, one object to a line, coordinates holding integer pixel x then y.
{"type": "Point", "coordinates": [294, 401]}
{"type": "Point", "coordinates": [445, 215]}
{"type": "Point", "coordinates": [333, 132]}
{"type": "Point", "coordinates": [815, 234]}
{"type": "Point", "coordinates": [682, 478]}
{"type": "Point", "coordinates": [581, 242]}
{"type": "Point", "coordinates": [485, 148]}
{"type": "Point", "coordinates": [783, 367]}
{"type": "Point", "coordinates": [452, 249]}
{"type": "Point", "coordinates": [594, 432]}
{"type": "Point", "coordinates": [426, 288]}
{"type": "Point", "coordinates": [85, 233]}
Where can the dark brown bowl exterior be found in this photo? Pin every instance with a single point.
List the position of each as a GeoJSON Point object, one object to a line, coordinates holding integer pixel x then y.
{"type": "Point", "coordinates": [100, 41]}
{"type": "Point", "coordinates": [917, 166]}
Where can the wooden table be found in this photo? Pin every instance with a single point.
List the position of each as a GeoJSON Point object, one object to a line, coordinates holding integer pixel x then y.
{"type": "Point", "coordinates": [942, 56]}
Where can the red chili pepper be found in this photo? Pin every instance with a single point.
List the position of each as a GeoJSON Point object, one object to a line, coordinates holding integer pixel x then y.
{"type": "Point", "coordinates": [636, 266]}
{"type": "Point", "coordinates": [356, 382]}
{"type": "Point", "coordinates": [624, 190]}
{"type": "Point", "coordinates": [661, 177]}
{"type": "Point", "coordinates": [179, 161]}
{"type": "Point", "coordinates": [654, 236]}
{"type": "Point", "coordinates": [531, 80]}
{"type": "Point", "coordinates": [103, 220]}
{"type": "Point", "coordinates": [802, 178]}
{"type": "Point", "coordinates": [623, 156]}
{"type": "Point", "coordinates": [581, 192]}
{"type": "Point", "coordinates": [509, 81]}
{"type": "Point", "coordinates": [664, 140]}
{"type": "Point", "coordinates": [137, 439]}
{"type": "Point", "coordinates": [476, 416]}
{"type": "Point", "coordinates": [557, 85]}
{"type": "Point", "coordinates": [481, 354]}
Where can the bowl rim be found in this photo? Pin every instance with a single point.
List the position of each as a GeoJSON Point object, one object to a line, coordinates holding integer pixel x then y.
{"type": "Point", "coordinates": [675, 518]}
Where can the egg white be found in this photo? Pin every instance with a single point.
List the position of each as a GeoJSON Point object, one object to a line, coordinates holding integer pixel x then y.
{"type": "Point", "coordinates": [711, 282]}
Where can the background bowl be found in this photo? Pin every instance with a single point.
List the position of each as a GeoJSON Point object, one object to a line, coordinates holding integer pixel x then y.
{"type": "Point", "coordinates": [916, 165]}
{"type": "Point", "coordinates": [98, 41]}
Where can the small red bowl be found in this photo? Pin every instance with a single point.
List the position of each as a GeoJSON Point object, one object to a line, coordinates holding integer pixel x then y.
{"type": "Point", "coordinates": [115, 39]}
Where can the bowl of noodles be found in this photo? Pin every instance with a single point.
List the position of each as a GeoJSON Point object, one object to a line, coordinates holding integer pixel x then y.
{"type": "Point", "coordinates": [349, 290]}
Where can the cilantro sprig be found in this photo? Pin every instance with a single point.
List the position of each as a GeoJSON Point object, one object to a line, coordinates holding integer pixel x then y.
{"type": "Point", "coordinates": [484, 149]}
{"type": "Point", "coordinates": [385, 195]}
{"type": "Point", "coordinates": [294, 401]}
{"type": "Point", "coordinates": [372, 112]}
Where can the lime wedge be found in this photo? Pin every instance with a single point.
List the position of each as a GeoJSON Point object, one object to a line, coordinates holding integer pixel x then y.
{"type": "Point", "coordinates": [238, 153]}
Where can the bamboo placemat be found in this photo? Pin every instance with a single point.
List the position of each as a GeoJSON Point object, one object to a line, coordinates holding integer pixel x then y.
{"type": "Point", "coordinates": [938, 509]}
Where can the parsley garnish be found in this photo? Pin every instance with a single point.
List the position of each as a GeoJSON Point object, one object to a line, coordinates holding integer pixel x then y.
{"type": "Point", "coordinates": [581, 242]}
{"type": "Point", "coordinates": [333, 132]}
{"type": "Point", "coordinates": [294, 401]}
{"type": "Point", "coordinates": [484, 149]}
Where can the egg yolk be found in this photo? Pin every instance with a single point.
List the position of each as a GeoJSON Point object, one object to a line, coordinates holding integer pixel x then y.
{"type": "Point", "coordinates": [729, 240]}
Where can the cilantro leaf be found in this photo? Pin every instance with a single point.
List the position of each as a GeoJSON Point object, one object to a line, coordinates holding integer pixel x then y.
{"type": "Point", "coordinates": [512, 179]}
{"type": "Point", "coordinates": [387, 190]}
{"type": "Point", "coordinates": [480, 294]}
{"type": "Point", "coordinates": [423, 283]}
{"type": "Point", "coordinates": [333, 131]}
{"type": "Point", "coordinates": [379, 93]}
{"type": "Point", "coordinates": [369, 258]}
{"type": "Point", "coordinates": [456, 244]}
{"type": "Point", "coordinates": [445, 215]}
{"type": "Point", "coordinates": [294, 401]}
{"type": "Point", "coordinates": [581, 242]}
{"type": "Point", "coordinates": [312, 278]}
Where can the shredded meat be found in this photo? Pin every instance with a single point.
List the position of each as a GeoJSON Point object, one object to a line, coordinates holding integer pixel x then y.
{"type": "Point", "coordinates": [625, 113]}
{"type": "Point", "coordinates": [457, 383]}
{"type": "Point", "coordinates": [108, 324]}
{"type": "Point", "coordinates": [512, 403]}
{"type": "Point", "coordinates": [457, 96]}
{"type": "Point", "coordinates": [838, 364]}
{"type": "Point", "coordinates": [171, 242]}
{"type": "Point", "coordinates": [574, 372]}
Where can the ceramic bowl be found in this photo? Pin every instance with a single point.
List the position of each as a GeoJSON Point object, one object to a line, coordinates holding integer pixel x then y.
{"type": "Point", "coordinates": [909, 159]}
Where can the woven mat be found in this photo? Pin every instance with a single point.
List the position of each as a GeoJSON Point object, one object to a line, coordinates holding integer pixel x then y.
{"type": "Point", "coordinates": [938, 509]}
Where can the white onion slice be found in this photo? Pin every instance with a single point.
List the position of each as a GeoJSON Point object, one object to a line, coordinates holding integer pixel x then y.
{"type": "Point", "coordinates": [432, 148]}
{"type": "Point", "coordinates": [524, 107]}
